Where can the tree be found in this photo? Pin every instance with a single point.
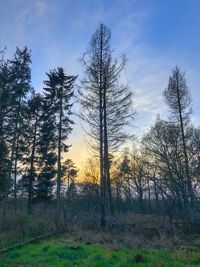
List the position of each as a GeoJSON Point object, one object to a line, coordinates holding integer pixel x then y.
{"type": "Point", "coordinates": [138, 175]}
{"type": "Point", "coordinates": [20, 75]}
{"type": "Point", "coordinates": [130, 179]}
{"type": "Point", "coordinates": [69, 172]}
{"type": "Point", "coordinates": [178, 99]}
{"type": "Point", "coordinates": [163, 146]}
{"type": "Point", "coordinates": [47, 156]}
{"type": "Point", "coordinates": [5, 107]}
{"type": "Point", "coordinates": [125, 175]}
{"type": "Point", "coordinates": [106, 106]}
{"type": "Point", "coordinates": [89, 188]}
{"type": "Point", "coordinates": [91, 177]}
{"type": "Point", "coordinates": [33, 114]}
{"type": "Point", "coordinates": [59, 92]}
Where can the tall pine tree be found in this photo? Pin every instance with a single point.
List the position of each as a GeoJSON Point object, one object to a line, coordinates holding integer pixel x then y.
{"type": "Point", "coordinates": [59, 91]}
{"type": "Point", "coordinates": [21, 87]}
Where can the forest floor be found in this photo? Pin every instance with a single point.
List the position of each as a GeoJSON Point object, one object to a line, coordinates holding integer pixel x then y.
{"type": "Point", "coordinates": [66, 251]}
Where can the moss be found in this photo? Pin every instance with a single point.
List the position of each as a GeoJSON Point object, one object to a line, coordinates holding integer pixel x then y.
{"type": "Point", "coordinates": [62, 252]}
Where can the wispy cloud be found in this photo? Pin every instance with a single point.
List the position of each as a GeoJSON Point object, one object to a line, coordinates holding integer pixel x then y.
{"type": "Point", "coordinates": [58, 32]}
{"type": "Point", "coordinates": [41, 7]}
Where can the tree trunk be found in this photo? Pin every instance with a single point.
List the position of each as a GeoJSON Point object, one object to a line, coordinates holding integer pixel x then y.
{"type": "Point", "coordinates": [106, 156]}
{"type": "Point", "coordinates": [102, 178]}
{"type": "Point", "coordinates": [149, 196]}
{"type": "Point", "coordinates": [58, 208]}
{"type": "Point", "coordinates": [13, 147]}
{"type": "Point", "coordinates": [184, 145]}
{"type": "Point", "coordinates": [15, 170]}
{"type": "Point", "coordinates": [31, 176]}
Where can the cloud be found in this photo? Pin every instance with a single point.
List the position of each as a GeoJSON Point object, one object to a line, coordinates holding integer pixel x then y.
{"type": "Point", "coordinates": [58, 32]}
{"type": "Point", "coordinates": [41, 7]}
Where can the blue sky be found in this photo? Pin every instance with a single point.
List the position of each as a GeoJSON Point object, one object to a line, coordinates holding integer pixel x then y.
{"type": "Point", "coordinates": [155, 35]}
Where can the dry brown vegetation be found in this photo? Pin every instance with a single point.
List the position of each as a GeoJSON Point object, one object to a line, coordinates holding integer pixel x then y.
{"type": "Point", "coordinates": [123, 230]}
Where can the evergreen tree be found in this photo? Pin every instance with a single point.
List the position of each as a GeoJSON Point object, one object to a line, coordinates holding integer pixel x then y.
{"type": "Point", "coordinates": [5, 103]}
{"type": "Point", "coordinates": [59, 91]}
{"type": "Point", "coordinates": [21, 75]}
{"type": "Point", "coordinates": [32, 135]}
{"type": "Point", "coordinates": [47, 157]}
{"type": "Point", "coordinates": [69, 172]}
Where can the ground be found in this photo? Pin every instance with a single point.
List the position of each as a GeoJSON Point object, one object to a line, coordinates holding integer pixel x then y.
{"type": "Point", "coordinates": [66, 252]}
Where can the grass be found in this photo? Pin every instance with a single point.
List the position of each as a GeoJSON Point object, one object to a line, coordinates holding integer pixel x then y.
{"type": "Point", "coordinates": [66, 252]}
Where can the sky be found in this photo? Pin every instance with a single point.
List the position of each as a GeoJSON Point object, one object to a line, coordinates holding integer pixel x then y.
{"type": "Point", "coordinates": [155, 35]}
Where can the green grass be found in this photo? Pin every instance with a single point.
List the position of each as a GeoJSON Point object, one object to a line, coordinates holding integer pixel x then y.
{"type": "Point", "coordinates": [64, 252]}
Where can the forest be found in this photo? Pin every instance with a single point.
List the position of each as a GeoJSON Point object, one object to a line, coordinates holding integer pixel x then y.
{"type": "Point", "coordinates": [137, 194]}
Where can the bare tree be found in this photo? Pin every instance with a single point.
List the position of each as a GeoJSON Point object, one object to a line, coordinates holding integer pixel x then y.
{"type": "Point", "coordinates": [106, 106]}
{"type": "Point", "coordinates": [179, 102]}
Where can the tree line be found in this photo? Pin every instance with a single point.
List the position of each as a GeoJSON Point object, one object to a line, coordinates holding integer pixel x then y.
{"type": "Point", "coordinates": [34, 129]}
{"type": "Point", "coordinates": [161, 175]}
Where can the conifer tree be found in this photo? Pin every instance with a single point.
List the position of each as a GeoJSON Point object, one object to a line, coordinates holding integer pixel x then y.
{"type": "Point", "coordinates": [47, 157]}
{"type": "Point", "coordinates": [59, 91]}
{"type": "Point", "coordinates": [5, 103]}
{"type": "Point", "coordinates": [178, 99]}
{"type": "Point", "coordinates": [31, 136]}
{"type": "Point", "coordinates": [21, 87]}
{"type": "Point", "coordinates": [106, 107]}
